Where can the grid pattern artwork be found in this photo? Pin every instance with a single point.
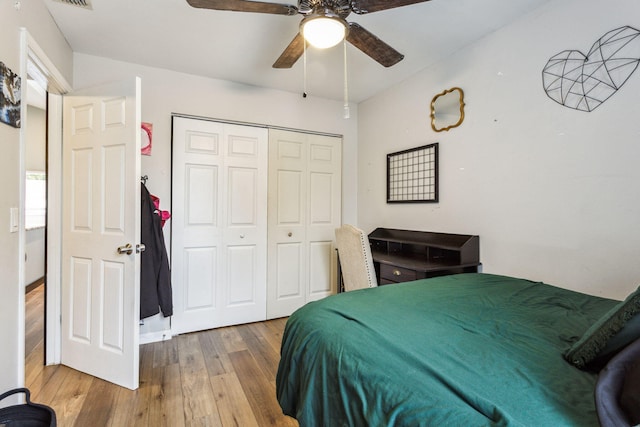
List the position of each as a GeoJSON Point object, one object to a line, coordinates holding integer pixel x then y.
{"type": "Point", "coordinates": [412, 175]}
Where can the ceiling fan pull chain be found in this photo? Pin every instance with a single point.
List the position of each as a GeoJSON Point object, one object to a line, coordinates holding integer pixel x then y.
{"type": "Point", "coordinates": [304, 67]}
{"type": "Point", "coordinates": [346, 85]}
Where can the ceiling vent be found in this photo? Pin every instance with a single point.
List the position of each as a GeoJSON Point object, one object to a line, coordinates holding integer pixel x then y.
{"type": "Point", "coordinates": [85, 4]}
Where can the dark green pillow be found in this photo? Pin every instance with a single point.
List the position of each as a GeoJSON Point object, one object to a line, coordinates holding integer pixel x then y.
{"type": "Point", "coordinates": [611, 333]}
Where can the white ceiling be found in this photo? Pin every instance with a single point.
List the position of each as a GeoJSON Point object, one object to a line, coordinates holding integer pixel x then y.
{"type": "Point", "coordinates": [241, 47]}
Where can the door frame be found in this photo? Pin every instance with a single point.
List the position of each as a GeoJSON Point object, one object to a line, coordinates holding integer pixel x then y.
{"type": "Point", "coordinates": [57, 86]}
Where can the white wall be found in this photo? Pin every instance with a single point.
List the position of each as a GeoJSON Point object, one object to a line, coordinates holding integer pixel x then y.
{"type": "Point", "coordinates": [554, 193]}
{"type": "Point", "coordinates": [165, 92]}
{"type": "Point", "coordinates": [35, 17]}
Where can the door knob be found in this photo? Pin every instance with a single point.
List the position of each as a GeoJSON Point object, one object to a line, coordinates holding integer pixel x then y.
{"type": "Point", "coordinates": [290, 234]}
{"type": "Point", "coordinates": [140, 248]}
{"type": "Point", "coordinates": [125, 250]}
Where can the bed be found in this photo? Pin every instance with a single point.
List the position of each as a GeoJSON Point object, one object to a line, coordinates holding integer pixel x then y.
{"type": "Point", "coordinates": [467, 349]}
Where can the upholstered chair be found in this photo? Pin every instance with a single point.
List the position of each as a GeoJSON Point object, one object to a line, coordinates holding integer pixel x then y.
{"type": "Point", "coordinates": [356, 261]}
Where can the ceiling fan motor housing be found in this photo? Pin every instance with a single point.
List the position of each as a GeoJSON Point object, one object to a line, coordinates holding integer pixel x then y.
{"type": "Point", "coordinates": [340, 8]}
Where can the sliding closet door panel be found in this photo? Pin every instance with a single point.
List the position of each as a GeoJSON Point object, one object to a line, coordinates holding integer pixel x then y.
{"type": "Point", "coordinates": [194, 292]}
{"type": "Point", "coordinates": [287, 216]}
{"type": "Point", "coordinates": [325, 194]}
{"type": "Point", "coordinates": [196, 231]}
{"type": "Point", "coordinates": [304, 190]}
{"type": "Point", "coordinates": [245, 233]}
{"type": "Point", "coordinates": [219, 224]}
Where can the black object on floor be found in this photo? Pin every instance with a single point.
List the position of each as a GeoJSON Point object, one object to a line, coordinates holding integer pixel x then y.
{"type": "Point", "coordinates": [28, 414]}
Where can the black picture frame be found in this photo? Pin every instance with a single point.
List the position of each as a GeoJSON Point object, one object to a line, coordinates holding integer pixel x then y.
{"type": "Point", "coordinates": [412, 175]}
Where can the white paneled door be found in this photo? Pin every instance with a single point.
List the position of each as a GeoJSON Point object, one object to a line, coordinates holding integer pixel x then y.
{"type": "Point", "coordinates": [101, 213]}
{"type": "Point", "coordinates": [304, 211]}
{"type": "Point", "coordinates": [219, 226]}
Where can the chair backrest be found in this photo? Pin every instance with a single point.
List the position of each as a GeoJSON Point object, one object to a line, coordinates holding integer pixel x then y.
{"type": "Point", "coordinates": [356, 261]}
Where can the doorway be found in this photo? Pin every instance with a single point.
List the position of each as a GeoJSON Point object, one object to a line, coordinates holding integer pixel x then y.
{"type": "Point", "coordinates": [37, 66]}
{"type": "Point", "coordinates": [35, 209]}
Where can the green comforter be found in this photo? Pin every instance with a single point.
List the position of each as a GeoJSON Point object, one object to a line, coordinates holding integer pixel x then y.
{"type": "Point", "coordinates": [461, 350]}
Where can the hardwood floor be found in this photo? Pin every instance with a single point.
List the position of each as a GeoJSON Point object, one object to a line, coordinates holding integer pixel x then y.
{"type": "Point", "coordinates": [221, 377]}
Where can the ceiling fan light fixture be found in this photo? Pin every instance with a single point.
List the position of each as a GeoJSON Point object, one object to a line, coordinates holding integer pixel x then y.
{"type": "Point", "coordinates": [324, 31]}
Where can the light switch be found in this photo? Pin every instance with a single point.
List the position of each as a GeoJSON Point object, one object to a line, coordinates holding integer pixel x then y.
{"type": "Point", "coordinates": [14, 220]}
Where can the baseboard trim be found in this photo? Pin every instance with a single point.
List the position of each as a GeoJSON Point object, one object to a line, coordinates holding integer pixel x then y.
{"type": "Point", "coordinates": [151, 337]}
{"type": "Point", "coordinates": [31, 286]}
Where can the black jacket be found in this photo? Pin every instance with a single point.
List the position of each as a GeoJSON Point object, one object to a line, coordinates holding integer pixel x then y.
{"type": "Point", "coordinates": [155, 276]}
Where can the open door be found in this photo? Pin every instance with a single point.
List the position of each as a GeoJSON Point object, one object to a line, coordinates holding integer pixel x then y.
{"type": "Point", "coordinates": [101, 232]}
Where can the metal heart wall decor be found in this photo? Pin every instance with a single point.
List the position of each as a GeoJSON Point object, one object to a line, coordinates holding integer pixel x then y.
{"type": "Point", "coordinates": [583, 82]}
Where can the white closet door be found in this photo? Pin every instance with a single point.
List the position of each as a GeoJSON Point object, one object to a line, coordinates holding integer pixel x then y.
{"type": "Point", "coordinates": [324, 166]}
{"type": "Point", "coordinates": [219, 233]}
{"type": "Point", "coordinates": [304, 211]}
{"type": "Point", "coordinates": [244, 290]}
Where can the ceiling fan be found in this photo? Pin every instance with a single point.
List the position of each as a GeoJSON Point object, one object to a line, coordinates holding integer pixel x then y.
{"type": "Point", "coordinates": [331, 13]}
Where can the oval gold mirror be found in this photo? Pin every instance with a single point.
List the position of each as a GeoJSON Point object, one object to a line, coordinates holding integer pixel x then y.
{"type": "Point", "coordinates": [447, 109]}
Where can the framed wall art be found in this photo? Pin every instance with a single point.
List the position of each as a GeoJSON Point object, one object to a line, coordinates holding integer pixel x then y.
{"type": "Point", "coordinates": [10, 94]}
{"type": "Point", "coordinates": [412, 175]}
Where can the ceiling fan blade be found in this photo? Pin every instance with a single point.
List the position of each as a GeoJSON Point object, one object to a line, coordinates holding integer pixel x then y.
{"type": "Point", "coordinates": [245, 6]}
{"type": "Point", "coordinates": [373, 46]}
{"type": "Point", "coordinates": [291, 54]}
{"type": "Point", "coordinates": [367, 6]}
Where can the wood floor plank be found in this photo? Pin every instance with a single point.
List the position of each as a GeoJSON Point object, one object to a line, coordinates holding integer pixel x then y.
{"type": "Point", "coordinates": [98, 406]}
{"type": "Point", "coordinates": [46, 385]}
{"type": "Point", "coordinates": [34, 325]}
{"type": "Point", "coordinates": [208, 421]}
{"type": "Point", "coordinates": [214, 352]}
{"type": "Point", "coordinates": [70, 397]}
{"type": "Point", "coordinates": [267, 358]}
{"type": "Point", "coordinates": [231, 339]}
{"type": "Point", "coordinates": [125, 406]}
{"type": "Point", "coordinates": [233, 405]}
{"type": "Point", "coordinates": [136, 403]}
{"type": "Point", "coordinates": [34, 363]}
{"type": "Point", "coordinates": [196, 388]}
{"type": "Point", "coordinates": [273, 337]}
{"type": "Point", "coordinates": [259, 390]}
{"type": "Point", "coordinates": [165, 353]}
{"type": "Point", "coordinates": [172, 407]}
{"type": "Point", "coordinates": [156, 398]}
